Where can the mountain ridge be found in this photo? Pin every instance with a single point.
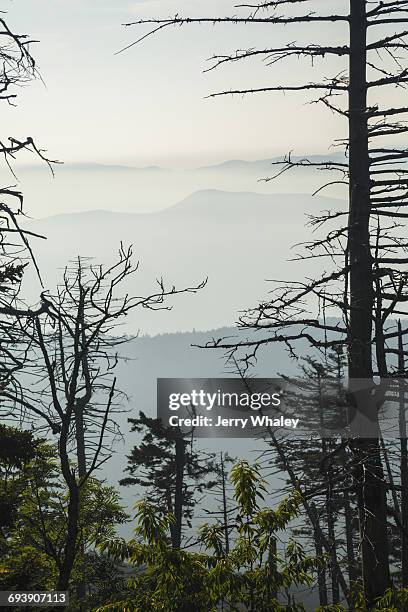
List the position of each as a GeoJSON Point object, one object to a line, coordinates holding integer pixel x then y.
{"type": "Point", "coordinates": [228, 164]}
{"type": "Point", "coordinates": [190, 200]}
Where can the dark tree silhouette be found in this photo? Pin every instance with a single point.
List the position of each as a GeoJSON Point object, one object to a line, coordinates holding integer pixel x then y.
{"type": "Point", "coordinates": [367, 282]}
{"type": "Point", "coordinates": [66, 382]}
{"type": "Point", "coordinates": [166, 463]}
{"type": "Point", "coordinates": [17, 68]}
{"type": "Point", "coordinates": [223, 496]}
{"type": "Point", "coordinates": [403, 467]}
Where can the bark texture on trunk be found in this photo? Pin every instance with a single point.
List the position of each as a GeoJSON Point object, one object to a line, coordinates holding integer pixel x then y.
{"type": "Point", "coordinates": [351, 558]}
{"type": "Point", "coordinates": [81, 458]}
{"type": "Point", "coordinates": [224, 505]}
{"type": "Point", "coordinates": [368, 468]}
{"type": "Point", "coordinates": [403, 461]}
{"type": "Point", "coordinates": [73, 513]}
{"type": "Point", "coordinates": [331, 531]}
{"type": "Point", "coordinates": [321, 575]}
{"type": "Point", "coordinates": [179, 491]}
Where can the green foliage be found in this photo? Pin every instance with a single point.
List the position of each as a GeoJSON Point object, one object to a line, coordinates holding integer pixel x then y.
{"type": "Point", "coordinates": [26, 466]}
{"type": "Point", "coordinates": [26, 568]}
{"type": "Point", "coordinates": [16, 447]}
{"type": "Point", "coordinates": [393, 600]}
{"type": "Point", "coordinates": [250, 576]}
{"type": "Point", "coordinates": [33, 516]}
{"type": "Point", "coordinates": [105, 577]}
{"type": "Point", "coordinates": [42, 522]}
{"type": "Point", "coordinates": [18, 450]}
{"type": "Point", "coordinates": [151, 526]}
{"type": "Point", "coordinates": [248, 486]}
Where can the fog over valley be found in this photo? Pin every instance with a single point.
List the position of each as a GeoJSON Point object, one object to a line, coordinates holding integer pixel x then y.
{"type": "Point", "coordinates": [201, 235]}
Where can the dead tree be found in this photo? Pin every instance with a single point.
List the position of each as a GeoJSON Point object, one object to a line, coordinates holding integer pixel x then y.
{"type": "Point", "coordinates": [166, 463]}
{"type": "Point", "coordinates": [321, 576]}
{"type": "Point", "coordinates": [224, 502]}
{"type": "Point", "coordinates": [17, 68]}
{"type": "Point", "coordinates": [222, 495]}
{"type": "Point", "coordinates": [403, 461]}
{"type": "Point", "coordinates": [307, 494]}
{"type": "Point", "coordinates": [366, 283]}
{"type": "Point", "coordinates": [66, 384]}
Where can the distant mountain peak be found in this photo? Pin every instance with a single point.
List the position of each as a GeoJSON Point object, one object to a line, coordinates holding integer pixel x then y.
{"type": "Point", "coordinates": [211, 201]}
{"type": "Point", "coordinates": [262, 164]}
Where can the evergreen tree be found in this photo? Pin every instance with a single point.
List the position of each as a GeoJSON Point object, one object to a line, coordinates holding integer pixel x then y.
{"type": "Point", "coordinates": [174, 472]}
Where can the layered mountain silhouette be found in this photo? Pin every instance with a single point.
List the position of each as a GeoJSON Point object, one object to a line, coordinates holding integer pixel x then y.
{"type": "Point", "coordinates": [77, 187]}
{"type": "Point", "coordinates": [236, 239]}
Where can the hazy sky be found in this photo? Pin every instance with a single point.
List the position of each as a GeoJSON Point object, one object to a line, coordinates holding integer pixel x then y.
{"type": "Point", "coordinates": [147, 106]}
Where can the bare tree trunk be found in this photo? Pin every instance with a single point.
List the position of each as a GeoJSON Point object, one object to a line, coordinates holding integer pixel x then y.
{"type": "Point", "coordinates": [321, 575]}
{"type": "Point", "coordinates": [403, 461]}
{"type": "Point", "coordinates": [179, 491]}
{"type": "Point", "coordinates": [368, 469]}
{"type": "Point", "coordinates": [224, 506]}
{"type": "Point", "coordinates": [71, 536]}
{"type": "Point", "coordinates": [352, 564]}
{"type": "Point", "coordinates": [348, 520]}
{"type": "Point", "coordinates": [391, 483]}
{"type": "Point", "coordinates": [308, 508]}
{"type": "Point", "coordinates": [329, 504]}
{"type": "Point", "coordinates": [332, 538]}
{"type": "Point", "coordinates": [80, 406]}
{"type": "Point", "coordinates": [81, 459]}
{"type": "Point", "coordinates": [80, 440]}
